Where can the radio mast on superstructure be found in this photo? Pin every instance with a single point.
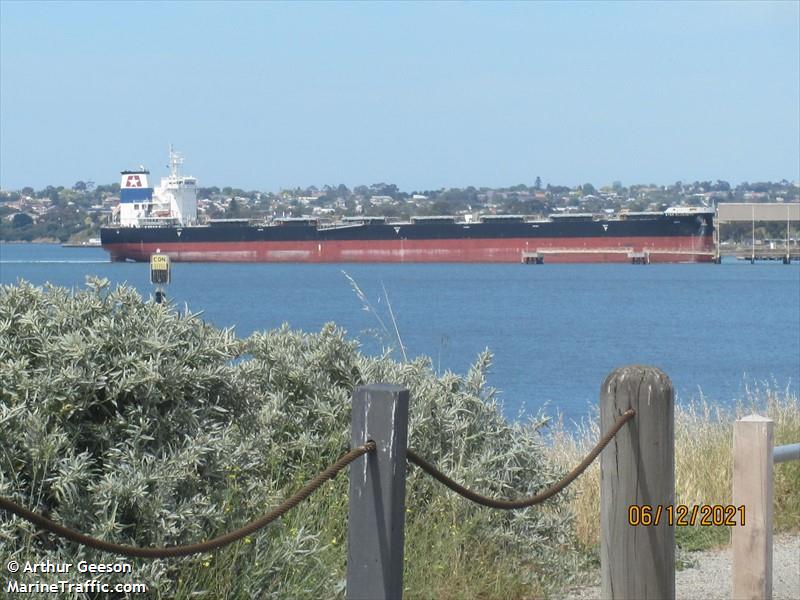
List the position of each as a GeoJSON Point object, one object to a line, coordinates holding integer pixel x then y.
{"type": "Point", "coordinates": [175, 161]}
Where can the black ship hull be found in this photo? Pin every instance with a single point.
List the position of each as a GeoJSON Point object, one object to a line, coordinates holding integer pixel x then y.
{"type": "Point", "coordinates": [660, 237]}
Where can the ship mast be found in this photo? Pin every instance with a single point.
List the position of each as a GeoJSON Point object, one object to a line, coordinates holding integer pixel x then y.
{"type": "Point", "coordinates": [175, 161]}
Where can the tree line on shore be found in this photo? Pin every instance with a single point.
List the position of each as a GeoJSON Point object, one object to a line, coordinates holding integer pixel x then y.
{"type": "Point", "coordinates": [76, 213]}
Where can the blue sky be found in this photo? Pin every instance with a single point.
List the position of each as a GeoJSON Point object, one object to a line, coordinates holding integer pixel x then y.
{"type": "Point", "coordinates": [271, 95]}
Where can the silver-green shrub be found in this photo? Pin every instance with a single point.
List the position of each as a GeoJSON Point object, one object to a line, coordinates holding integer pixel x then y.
{"type": "Point", "coordinates": [133, 422]}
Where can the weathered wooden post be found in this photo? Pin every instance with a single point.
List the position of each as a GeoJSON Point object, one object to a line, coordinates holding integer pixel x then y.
{"type": "Point", "coordinates": [377, 494]}
{"type": "Point", "coordinates": [637, 469]}
{"type": "Point", "coordinates": [752, 487]}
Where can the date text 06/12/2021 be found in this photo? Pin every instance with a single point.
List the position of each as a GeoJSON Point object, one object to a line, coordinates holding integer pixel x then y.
{"type": "Point", "coordinates": [682, 515]}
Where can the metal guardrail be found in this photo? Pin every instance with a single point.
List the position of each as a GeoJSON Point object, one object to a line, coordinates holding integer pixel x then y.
{"type": "Point", "coordinates": [786, 453]}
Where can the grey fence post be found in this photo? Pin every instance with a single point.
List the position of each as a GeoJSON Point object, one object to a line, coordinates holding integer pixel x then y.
{"type": "Point", "coordinates": [377, 494]}
{"type": "Point", "coordinates": [637, 468]}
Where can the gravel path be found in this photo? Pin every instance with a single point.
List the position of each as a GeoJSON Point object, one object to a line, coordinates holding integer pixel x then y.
{"type": "Point", "coordinates": [711, 578]}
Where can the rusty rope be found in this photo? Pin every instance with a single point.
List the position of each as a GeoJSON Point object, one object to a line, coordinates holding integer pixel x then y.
{"type": "Point", "coordinates": [171, 551]}
{"type": "Point", "coordinates": [524, 502]}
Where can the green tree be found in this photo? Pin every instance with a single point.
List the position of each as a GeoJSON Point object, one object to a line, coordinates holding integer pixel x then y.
{"type": "Point", "coordinates": [20, 220]}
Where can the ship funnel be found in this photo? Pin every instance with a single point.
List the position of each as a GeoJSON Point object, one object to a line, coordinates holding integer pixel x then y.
{"type": "Point", "coordinates": [135, 196]}
{"type": "Point", "coordinates": [132, 180]}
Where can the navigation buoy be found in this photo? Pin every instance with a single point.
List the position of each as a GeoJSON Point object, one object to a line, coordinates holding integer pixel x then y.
{"type": "Point", "coordinates": [160, 273]}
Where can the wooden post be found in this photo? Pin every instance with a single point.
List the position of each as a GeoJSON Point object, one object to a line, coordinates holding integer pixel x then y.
{"type": "Point", "coordinates": [377, 494]}
{"type": "Point", "coordinates": [637, 468]}
{"type": "Point", "coordinates": [752, 487]}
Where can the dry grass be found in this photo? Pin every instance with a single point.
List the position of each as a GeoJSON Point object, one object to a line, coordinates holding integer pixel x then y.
{"type": "Point", "coordinates": [568, 449]}
{"type": "Point", "coordinates": [703, 464]}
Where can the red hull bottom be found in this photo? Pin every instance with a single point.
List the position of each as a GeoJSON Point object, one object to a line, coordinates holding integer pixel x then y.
{"type": "Point", "coordinates": [552, 250]}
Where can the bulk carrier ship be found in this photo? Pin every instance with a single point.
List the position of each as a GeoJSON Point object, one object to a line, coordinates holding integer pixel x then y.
{"type": "Point", "coordinates": [164, 220]}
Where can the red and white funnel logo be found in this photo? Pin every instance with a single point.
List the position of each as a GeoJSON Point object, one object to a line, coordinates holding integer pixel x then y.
{"type": "Point", "coordinates": [133, 181]}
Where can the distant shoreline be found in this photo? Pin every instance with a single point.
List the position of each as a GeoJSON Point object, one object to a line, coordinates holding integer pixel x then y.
{"type": "Point", "coordinates": [51, 241]}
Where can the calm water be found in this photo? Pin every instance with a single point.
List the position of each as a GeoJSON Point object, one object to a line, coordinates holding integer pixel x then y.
{"type": "Point", "coordinates": [555, 330]}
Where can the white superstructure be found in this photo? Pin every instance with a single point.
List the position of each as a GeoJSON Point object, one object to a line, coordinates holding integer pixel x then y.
{"type": "Point", "coordinates": [689, 210]}
{"type": "Point", "coordinates": [173, 202]}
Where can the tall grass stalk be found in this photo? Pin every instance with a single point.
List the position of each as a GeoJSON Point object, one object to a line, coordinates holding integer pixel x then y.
{"type": "Point", "coordinates": [394, 322]}
{"type": "Point", "coordinates": [366, 305]}
{"type": "Point", "coordinates": [382, 334]}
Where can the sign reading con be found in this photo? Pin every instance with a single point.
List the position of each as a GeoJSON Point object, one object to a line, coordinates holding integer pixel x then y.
{"type": "Point", "coordinates": [159, 269]}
